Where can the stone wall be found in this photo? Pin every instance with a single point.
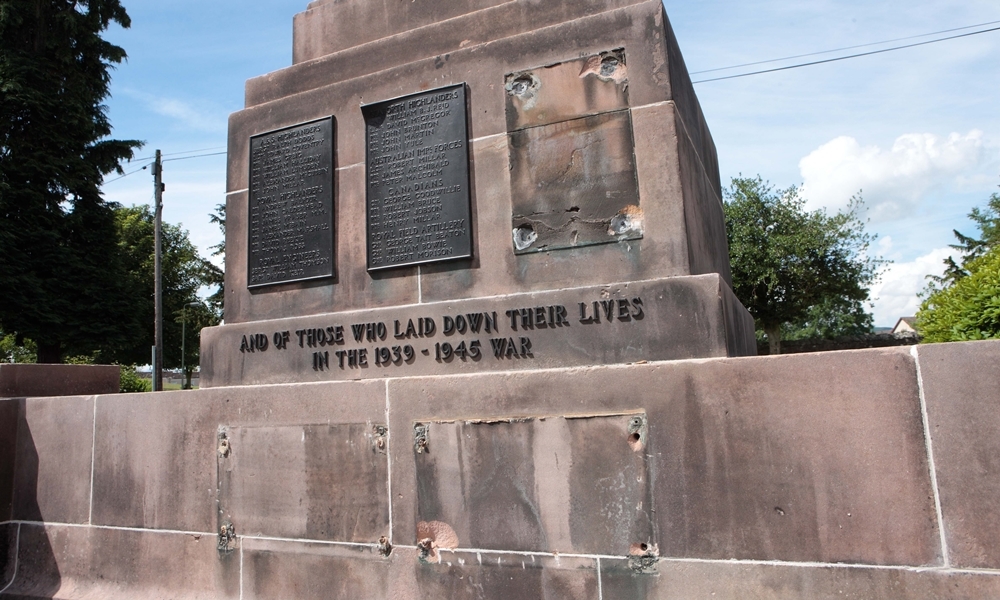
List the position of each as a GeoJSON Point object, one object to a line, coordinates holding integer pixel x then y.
{"type": "Point", "coordinates": [869, 473]}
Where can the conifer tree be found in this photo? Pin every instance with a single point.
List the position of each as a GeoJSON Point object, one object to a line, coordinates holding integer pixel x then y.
{"type": "Point", "coordinates": [59, 274]}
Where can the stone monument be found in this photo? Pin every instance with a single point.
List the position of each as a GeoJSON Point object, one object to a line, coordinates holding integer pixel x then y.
{"type": "Point", "coordinates": [480, 342]}
{"type": "Point", "coordinates": [460, 187]}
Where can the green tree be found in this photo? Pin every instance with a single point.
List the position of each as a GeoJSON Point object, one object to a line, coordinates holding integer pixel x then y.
{"type": "Point", "coordinates": [185, 273]}
{"type": "Point", "coordinates": [59, 272]}
{"type": "Point", "coordinates": [964, 304]}
{"type": "Point", "coordinates": [804, 273]}
{"type": "Point", "coordinates": [987, 220]}
{"type": "Point", "coordinates": [216, 276]}
{"type": "Point", "coordinates": [968, 309]}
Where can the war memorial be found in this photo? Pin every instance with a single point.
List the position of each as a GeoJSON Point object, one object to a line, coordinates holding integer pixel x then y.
{"type": "Point", "coordinates": [480, 342]}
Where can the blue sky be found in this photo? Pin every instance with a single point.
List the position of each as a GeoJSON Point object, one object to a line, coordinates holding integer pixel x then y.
{"type": "Point", "coordinates": [916, 131]}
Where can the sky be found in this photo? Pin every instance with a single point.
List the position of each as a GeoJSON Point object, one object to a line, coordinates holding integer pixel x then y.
{"type": "Point", "coordinates": [916, 132]}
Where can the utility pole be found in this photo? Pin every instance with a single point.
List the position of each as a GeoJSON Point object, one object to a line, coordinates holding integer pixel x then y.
{"type": "Point", "coordinates": [158, 274]}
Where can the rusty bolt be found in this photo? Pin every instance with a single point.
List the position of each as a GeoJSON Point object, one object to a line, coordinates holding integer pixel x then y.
{"type": "Point", "coordinates": [384, 547]}
{"type": "Point", "coordinates": [420, 442]}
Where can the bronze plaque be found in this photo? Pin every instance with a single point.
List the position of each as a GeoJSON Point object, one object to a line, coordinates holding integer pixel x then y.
{"type": "Point", "coordinates": [291, 204]}
{"type": "Point", "coordinates": [417, 178]}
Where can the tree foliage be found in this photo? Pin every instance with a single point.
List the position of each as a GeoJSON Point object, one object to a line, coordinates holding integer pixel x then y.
{"type": "Point", "coordinates": [964, 304]}
{"type": "Point", "coordinates": [799, 273]}
{"type": "Point", "coordinates": [61, 284]}
{"type": "Point", "coordinates": [184, 274]}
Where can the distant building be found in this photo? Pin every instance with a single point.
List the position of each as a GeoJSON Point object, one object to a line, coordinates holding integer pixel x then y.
{"type": "Point", "coordinates": [905, 325]}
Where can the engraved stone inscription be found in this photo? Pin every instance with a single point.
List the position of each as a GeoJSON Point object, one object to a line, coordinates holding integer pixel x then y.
{"type": "Point", "coordinates": [291, 204]}
{"type": "Point", "coordinates": [417, 179]}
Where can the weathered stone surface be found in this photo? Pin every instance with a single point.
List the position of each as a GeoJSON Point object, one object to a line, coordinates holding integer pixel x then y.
{"type": "Point", "coordinates": [27, 380]}
{"type": "Point", "coordinates": [734, 581]}
{"type": "Point", "coordinates": [665, 319]}
{"type": "Point", "coordinates": [960, 384]}
{"type": "Point", "coordinates": [8, 553]}
{"type": "Point", "coordinates": [55, 438]}
{"type": "Point", "coordinates": [10, 410]}
{"type": "Point", "coordinates": [472, 575]}
{"type": "Point", "coordinates": [573, 184]}
{"type": "Point", "coordinates": [327, 26]}
{"type": "Point", "coordinates": [156, 456]}
{"type": "Point", "coordinates": [538, 484]}
{"type": "Point", "coordinates": [783, 458]}
{"type": "Point", "coordinates": [75, 562]}
{"type": "Point", "coordinates": [318, 482]}
{"type": "Point", "coordinates": [273, 569]}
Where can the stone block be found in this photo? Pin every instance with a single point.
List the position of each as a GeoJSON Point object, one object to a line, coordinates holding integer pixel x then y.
{"type": "Point", "coordinates": [328, 27]}
{"type": "Point", "coordinates": [31, 380]}
{"type": "Point", "coordinates": [156, 455]}
{"type": "Point", "coordinates": [317, 482]}
{"type": "Point", "coordinates": [663, 319]}
{"type": "Point", "coordinates": [960, 383]}
{"type": "Point", "coordinates": [8, 553]}
{"type": "Point", "coordinates": [86, 562]}
{"type": "Point", "coordinates": [10, 411]}
{"type": "Point", "coordinates": [537, 484]}
{"type": "Point", "coordinates": [473, 575]}
{"type": "Point", "coordinates": [783, 458]}
{"type": "Point", "coordinates": [55, 439]}
{"type": "Point", "coordinates": [672, 580]}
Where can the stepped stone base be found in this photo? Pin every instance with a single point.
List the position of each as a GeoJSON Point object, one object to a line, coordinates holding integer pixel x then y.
{"type": "Point", "coordinates": [849, 474]}
{"type": "Point", "coordinates": [24, 380]}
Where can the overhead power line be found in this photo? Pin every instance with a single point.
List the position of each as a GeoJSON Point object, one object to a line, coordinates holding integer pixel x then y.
{"type": "Point", "coordinates": [839, 58]}
{"type": "Point", "coordinates": [144, 167]}
{"type": "Point", "coordinates": [195, 156]}
{"type": "Point", "coordinates": [911, 37]}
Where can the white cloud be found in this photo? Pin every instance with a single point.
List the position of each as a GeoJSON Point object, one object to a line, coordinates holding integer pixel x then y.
{"type": "Point", "coordinates": [895, 180]}
{"type": "Point", "coordinates": [896, 294]}
{"type": "Point", "coordinates": [190, 115]}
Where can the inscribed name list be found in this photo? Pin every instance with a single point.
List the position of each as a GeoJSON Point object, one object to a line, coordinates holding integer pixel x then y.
{"type": "Point", "coordinates": [291, 204]}
{"type": "Point", "coordinates": [417, 177]}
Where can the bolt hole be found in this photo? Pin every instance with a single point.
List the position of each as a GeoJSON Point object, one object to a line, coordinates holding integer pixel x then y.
{"type": "Point", "coordinates": [608, 66]}
{"type": "Point", "coordinates": [636, 437]}
{"type": "Point", "coordinates": [524, 236]}
{"type": "Point", "coordinates": [521, 85]}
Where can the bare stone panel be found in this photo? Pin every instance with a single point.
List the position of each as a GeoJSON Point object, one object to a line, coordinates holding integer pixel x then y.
{"type": "Point", "coordinates": [538, 484]}
{"type": "Point", "coordinates": [567, 90]}
{"type": "Point", "coordinates": [804, 457]}
{"type": "Point", "coordinates": [55, 438]}
{"type": "Point", "coordinates": [305, 571]}
{"type": "Point", "coordinates": [84, 562]}
{"type": "Point", "coordinates": [319, 482]}
{"type": "Point", "coordinates": [733, 581]}
{"type": "Point", "coordinates": [156, 455]}
{"type": "Point", "coordinates": [470, 575]}
{"type": "Point", "coordinates": [573, 183]}
{"type": "Point", "coordinates": [961, 383]}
